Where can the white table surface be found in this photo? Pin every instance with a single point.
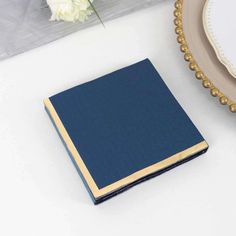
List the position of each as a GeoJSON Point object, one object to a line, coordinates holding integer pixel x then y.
{"type": "Point", "coordinates": [41, 192]}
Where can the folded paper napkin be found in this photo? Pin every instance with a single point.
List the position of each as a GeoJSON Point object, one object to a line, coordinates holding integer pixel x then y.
{"type": "Point", "coordinates": [123, 128]}
{"type": "Point", "coordinates": [25, 24]}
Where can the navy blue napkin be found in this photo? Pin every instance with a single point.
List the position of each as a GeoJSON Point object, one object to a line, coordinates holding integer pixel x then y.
{"type": "Point", "coordinates": [123, 128]}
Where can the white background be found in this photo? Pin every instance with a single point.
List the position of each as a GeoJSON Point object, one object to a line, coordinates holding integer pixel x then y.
{"type": "Point", "coordinates": [41, 192]}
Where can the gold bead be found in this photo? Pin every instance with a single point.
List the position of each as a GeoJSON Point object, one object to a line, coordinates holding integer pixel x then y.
{"type": "Point", "coordinates": [233, 108]}
{"type": "Point", "coordinates": [193, 66]}
{"type": "Point", "coordinates": [184, 48]}
{"type": "Point", "coordinates": [224, 100]}
{"type": "Point", "coordinates": [178, 30]}
{"type": "Point", "coordinates": [188, 57]}
{"type": "Point", "coordinates": [178, 22]}
{"type": "Point", "coordinates": [180, 39]}
{"type": "Point", "coordinates": [178, 5]}
{"type": "Point", "coordinates": [177, 13]}
{"type": "Point", "coordinates": [206, 84]}
{"type": "Point", "coordinates": [199, 75]}
{"type": "Point", "coordinates": [215, 92]}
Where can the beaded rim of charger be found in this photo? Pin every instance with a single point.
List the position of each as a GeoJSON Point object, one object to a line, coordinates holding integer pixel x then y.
{"type": "Point", "coordinates": [199, 74]}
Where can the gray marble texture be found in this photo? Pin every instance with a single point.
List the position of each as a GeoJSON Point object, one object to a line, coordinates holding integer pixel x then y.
{"type": "Point", "coordinates": [24, 24]}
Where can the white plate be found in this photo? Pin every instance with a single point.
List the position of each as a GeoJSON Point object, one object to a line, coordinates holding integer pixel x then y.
{"type": "Point", "coordinates": [219, 20]}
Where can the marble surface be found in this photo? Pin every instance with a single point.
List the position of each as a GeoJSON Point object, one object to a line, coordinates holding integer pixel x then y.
{"type": "Point", "coordinates": [25, 24]}
{"type": "Point", "coordinates": [41, 192]}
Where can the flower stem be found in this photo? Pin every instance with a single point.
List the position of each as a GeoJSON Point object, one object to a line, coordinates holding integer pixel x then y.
{"type": "Point", "coordinates": [95, 11]}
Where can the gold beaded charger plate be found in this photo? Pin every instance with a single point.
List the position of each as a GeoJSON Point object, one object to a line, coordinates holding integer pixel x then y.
{"type": "Point", "coordinates": [199, 53]}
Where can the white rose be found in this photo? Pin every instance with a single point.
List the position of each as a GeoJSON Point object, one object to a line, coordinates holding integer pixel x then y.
{"type": "Point", "coordinates": [70, 10]}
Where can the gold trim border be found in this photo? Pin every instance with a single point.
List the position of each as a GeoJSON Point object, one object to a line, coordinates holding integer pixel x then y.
{"type": "Point", "coordinates": [98, 193]}
{"type": "Point", "coordinates": [199, 74]}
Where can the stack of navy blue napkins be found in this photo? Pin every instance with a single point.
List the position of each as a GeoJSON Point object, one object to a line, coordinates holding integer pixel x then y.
{"type": "Point", "coordinates": [123, 128]}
